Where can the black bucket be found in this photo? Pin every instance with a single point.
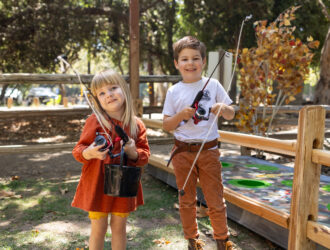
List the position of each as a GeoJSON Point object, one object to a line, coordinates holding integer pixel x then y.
{"type": "Point", "coordinates": [121, 180]}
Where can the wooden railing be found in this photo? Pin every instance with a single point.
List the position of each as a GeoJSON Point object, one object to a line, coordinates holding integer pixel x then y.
{"type": "Point", "coordinates": [304, 231]}
{"type": "Point", "coordinates": [23, 78]}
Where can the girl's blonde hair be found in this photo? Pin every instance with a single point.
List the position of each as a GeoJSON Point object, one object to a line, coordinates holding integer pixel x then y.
{"type": "Point", "coordinates": [111, 77]}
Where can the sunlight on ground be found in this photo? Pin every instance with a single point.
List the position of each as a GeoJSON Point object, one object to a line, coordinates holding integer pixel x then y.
{"type": "Point", "coordinates": [154, 132]}
{"type": "Point", "coordinates": [45, 156]}
{"type": "Point", "coordinates": [58, 138]}
{"type": "Point", "coordinates": [63, 227]}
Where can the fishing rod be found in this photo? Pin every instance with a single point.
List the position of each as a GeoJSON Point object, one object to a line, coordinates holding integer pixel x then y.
{"type": "Point", "coordinates": [181, 192]}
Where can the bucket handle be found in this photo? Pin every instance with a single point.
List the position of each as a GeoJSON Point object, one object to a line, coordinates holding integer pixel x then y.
{"type": "Point", "coordinates": [123, 157]}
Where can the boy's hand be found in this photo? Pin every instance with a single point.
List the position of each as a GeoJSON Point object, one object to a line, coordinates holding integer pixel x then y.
{"type": "Point", "coordinates": [226, 111]}
{"type": "Point", "coordinates": [215, 108]}
{"type": "Point", "coordinates": [172, 122]}
{"type": "Point", "coordinates": [92, 152]}
{"type": "Point", "coordinates": [187, 113]}
{"type": "Point", "coordinates": [130, 149]}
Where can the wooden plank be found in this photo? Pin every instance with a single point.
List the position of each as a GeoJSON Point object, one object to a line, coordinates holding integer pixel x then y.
{"type": "Point", "coordinates": [258, 208]}
{"type": "Point", "coordinates": [248, 204]}
{"type": "Point", "coordinates": [83, 110]}
{"type": "Point", "coordinates": [150, 123]}
{"type": "Point", "coordinates": [321, 157]}
{"type": "Point", "coordinates": [306, 180]}
{"type": "Point", "coordinates": [318, 233]}
{"type": "Point", "coordinates": [251, 141]}
{"type": "Point", "coordinates": [134, 55]}
{"type": "Point", "coordinates": [25, 112]}
{"type": "Point", "coordinates": [24, 78]}
{"type": "Point", "coordinates": [152, 109]}
{"type": "Point", "coordinates": [24, 149]}
{"type": "Point", "coordinates": [258, 142]}
{"type": "Point", "coordinates": [160, 163]}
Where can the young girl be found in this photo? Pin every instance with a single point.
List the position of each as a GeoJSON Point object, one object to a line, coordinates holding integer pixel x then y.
{"type": "Point", "coordinates": [113, 95]}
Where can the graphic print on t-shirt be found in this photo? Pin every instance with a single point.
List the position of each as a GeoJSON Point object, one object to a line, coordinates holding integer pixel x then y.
{"type": "Point", "coordinates": [203, 106]}
{"type": "Point", "coordinates": [206, 95]}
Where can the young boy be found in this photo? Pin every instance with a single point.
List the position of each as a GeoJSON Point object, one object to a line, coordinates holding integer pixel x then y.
{"type": "Point", "coordinates": [190, 59]}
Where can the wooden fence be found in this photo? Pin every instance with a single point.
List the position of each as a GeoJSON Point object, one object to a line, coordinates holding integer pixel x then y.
{"type": "Point", "coordinates": [304, 231]}
{"type": "Point", "coordinates": [23, 78]}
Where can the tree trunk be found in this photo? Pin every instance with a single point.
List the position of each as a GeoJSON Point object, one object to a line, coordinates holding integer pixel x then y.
{"type": "Point", "coordinates": [322, 91]}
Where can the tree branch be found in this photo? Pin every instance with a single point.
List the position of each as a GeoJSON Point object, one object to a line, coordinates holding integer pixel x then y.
{"type": "Point", "coordinates": [324, 9]}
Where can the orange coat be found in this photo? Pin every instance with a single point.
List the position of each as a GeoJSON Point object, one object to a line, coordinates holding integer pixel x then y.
{"type": "Point", "coordinates": [89, 194]}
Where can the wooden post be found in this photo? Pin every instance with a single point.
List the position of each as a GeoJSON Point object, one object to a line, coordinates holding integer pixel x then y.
{"type": "Point", "coordinates": [134, 59]}
{"type": "Point", "coordinates": [10, 102]}
{"type": "Point", "coordinates": [138, 107]}
{"type": "Point", "coordinates": [306, 180]}
{"type": "Point", "coordinates": [65, 102]}
{"type": "Point", "coordinates": [36, 101]}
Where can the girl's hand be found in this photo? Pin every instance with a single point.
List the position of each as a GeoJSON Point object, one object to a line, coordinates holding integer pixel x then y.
{"type": "Point", "coordinates": [130, 149]}
{"type": "Point", "coordinates": [187, 113]}
{"type": "Point", "coordinates": [92, 152]}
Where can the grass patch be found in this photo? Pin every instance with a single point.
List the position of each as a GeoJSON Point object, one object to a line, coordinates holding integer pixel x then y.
{"type": "Point", "coordinates": [44, 219]}
{"type": "Point", "coordinates": [42, 202]}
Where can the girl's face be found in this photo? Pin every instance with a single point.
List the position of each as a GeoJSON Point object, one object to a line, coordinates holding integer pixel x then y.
{"type": "Point", "coordinates": [112, 99]}
{"type": "Point", "coordinates": [190, 64]}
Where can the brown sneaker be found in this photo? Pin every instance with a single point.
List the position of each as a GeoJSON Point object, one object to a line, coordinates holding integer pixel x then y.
{"type": "Point", "coordinates": [195, 244]}
{"type": "Point", "coordinates": [224, 244]}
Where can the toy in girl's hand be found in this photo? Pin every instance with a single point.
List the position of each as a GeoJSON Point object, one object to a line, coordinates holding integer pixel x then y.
{"type": "Point", "coordinates": [101, 140]}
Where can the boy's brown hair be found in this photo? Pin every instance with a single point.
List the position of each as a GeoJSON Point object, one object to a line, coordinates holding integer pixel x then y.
{"type": "Point", "coordinates": [189, 42]}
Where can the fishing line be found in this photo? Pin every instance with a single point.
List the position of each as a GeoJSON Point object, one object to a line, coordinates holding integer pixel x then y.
{"type": "Point", "coordinates": [86, 97]}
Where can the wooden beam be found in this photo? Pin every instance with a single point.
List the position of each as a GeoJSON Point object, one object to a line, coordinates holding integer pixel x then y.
{"type": "Point", "coordinates": [25, 78]}
{"type": "Point", "coordinates": [321, 157]}
{"type": "Point", "coordinates": [18, 112]}
{"type": "Point", "coordinates": [251, 141]}
{"type": "Point", "coordinates": [153, 123]}
{"type": "Point", "coordinates": [25, 149]}
{"type": "Point", "coordinates": [306, 179]}
{"type": "Point", "coordinates": [258, 142]}
{"type": "Point", "coordinates": [76, 110]}
{"type": "Point", "coordinates": [267, 212]}
{"type": "Point", "coordinates": [318, 233]}
{"type": "Point", "coordinates": [134, 58]}
{"type": "Point", "coordinates": [258, 208]}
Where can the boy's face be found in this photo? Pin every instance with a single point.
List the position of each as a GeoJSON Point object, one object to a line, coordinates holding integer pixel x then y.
{"type": "Point", "coordinates": [190, 64]}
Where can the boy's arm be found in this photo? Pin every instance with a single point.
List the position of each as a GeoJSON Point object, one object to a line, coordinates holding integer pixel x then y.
{"type": "Point", "coordinates": [227, 112]}
{"type": "Point", "coordinates": [172, 122]}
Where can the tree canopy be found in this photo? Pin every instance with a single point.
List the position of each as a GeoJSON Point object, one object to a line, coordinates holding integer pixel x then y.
{"type": "Point", "coordinates": [34, 32]}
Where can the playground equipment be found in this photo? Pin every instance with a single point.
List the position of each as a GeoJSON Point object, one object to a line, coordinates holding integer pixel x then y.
{"type": "Point", "coordinates": [303, 229]}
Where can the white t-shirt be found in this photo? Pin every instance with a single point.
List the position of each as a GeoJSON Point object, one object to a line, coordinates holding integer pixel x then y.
{"type": "Point", "coordinates": [182, 95]}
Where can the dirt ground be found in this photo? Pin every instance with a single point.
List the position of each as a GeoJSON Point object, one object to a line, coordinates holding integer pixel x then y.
{"type": "Point", "coordinates": [61, 165]}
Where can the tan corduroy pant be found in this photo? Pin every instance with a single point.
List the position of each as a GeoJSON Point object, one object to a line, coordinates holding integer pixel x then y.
{"type": "Point", "coordinates": [208, 170]}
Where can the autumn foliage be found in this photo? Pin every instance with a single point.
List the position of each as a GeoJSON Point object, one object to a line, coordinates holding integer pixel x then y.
{"type": "Point", "coordinates": [279, 58]}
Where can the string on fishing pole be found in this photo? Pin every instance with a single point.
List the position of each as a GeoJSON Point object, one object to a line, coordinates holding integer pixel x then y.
{"type": "Point", "coordinates": [86, 92]}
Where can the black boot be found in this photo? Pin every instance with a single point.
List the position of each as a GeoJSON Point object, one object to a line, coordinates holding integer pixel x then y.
{"type": "Point", "coordinates": [224, 244]}
{"type": "Point", "coordinates": [195, 244]}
